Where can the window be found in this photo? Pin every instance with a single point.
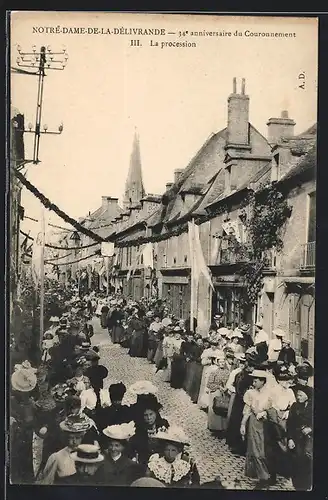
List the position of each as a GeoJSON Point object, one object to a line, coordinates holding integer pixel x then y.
{"type": "Point", "coordinates": [174, 260]}
{"type": "Point", "coordinates": [228, 179]}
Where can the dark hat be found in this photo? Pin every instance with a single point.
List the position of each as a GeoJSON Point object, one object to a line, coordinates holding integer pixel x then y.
{"type": "Point", "coordinates": [117, 391]}
{"type": "Point", "coordinates": [304, 371]}
{"type": "Point", "coordinates": [149, 402]}
{"type": "Point", "coordinates": [304, 388]}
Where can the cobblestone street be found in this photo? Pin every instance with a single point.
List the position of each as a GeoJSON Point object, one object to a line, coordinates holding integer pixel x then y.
{"type": "Point", "coordinates": [212, 455]}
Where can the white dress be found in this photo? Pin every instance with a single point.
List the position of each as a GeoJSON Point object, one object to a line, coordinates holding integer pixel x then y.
{"type": "Point", "coordinates": [209, 366]}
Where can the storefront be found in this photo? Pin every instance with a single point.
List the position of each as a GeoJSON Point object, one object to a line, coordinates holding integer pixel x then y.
{"type": "Point", "coordinates": [227, 300]}
{"type": "Point", "coordinates": [176, 293]}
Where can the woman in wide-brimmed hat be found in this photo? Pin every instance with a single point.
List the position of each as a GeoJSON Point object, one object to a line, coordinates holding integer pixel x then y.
{"type": "Point", "coordinates": [22, 411]}
{"type": "Point", "coordinates": [172, 466]}
{"type": "Point", "coordinates": [118, 469]}
{"type": "Point", "coordinates": [60, 465]}
{"type": "Point", "coordinates": [208, 358]}
{"type": "Point", "coordinates": [148, 421]}
{"type": "Point", "coordinates": [217, 420]}
{"type": "Point", "coordinates": [254, 425]}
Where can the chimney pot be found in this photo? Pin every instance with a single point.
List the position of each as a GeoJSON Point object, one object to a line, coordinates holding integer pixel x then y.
{"type": "Point", "coordinates": [234, 85]}
{"type": "Point", "coordinates": [243, 83]}
{"type": "Point", "coordinates": [169, 185]}
{"type": "Point", "coordinates": [177, 174]}
{"type": "Point", "coordinates": [284, 114]}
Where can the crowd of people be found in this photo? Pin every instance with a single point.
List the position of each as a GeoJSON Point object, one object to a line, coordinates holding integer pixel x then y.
{"type": "Point", "coordinates": [258, 398]}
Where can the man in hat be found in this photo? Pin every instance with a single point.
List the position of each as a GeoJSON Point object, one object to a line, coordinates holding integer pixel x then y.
{"type": "Point", "coordinates": [247, 340]}
{"type": "Point", "coordinates": [88, 461]}
{"type": "Point", "coordinates": [287, 354]}
{"type": "Point", "coordinates": [275, 345]}
{"type": "Point", "coordinates": [261, 341]}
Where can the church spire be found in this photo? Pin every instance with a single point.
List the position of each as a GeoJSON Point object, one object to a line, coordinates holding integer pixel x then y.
{"type": "Point", "coordinates": [134, 188]}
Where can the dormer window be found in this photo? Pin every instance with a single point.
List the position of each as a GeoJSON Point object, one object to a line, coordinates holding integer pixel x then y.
{"type": "Point", "coordinates": [228, 179]}
{"type": "Point", "coordinates": [275, 174]}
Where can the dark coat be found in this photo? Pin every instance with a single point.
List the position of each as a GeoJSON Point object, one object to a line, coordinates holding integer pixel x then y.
{"type": "Point", "coordinates": [120, 473]}
{"type": "Point", "coordinates": [113, 415]}
{"type": "Point", "coordinates": [287, 355]}
{"type": "Point", "coordinates": [301, 456]}
{"type": "Point", "coordinates": [142, 446]}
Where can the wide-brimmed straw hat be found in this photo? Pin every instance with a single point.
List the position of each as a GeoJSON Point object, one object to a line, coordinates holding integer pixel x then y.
{"type": "Point", "coordinates": [224, 331]}
{"type": "Point", "coordinates": [88, 454]}
{"type": "Point", "coordinates": [240, 356]}
{"type": "Point", "coordinates": [279, 333]}
{"type": "Point", "coordinates": [75, 424]}
{"type": "Point", "coordinates": [46, 402]}
{"type": "Point", "coordinates": [121, 432]}
{"type": "Point", "coordinates": [143, 387]}
{"type": "Point", "coordinates": [54, 319]}
{"type": "Point", "coordinates": [244, 328]}
{"type": "Point", "coordinates": [259, 374]}
{"type": "Point", "coordinates": [24, 377]}
{"type": "Point", "coordinates": [237, 333]}
{"type": "Point", "coordinates": [174, 434]}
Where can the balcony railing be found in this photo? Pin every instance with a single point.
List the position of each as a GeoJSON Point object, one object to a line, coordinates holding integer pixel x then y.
{"type": "Point", "coordinates": [308, 256]}
{"type": "Point", "coordinates": [233, 256]}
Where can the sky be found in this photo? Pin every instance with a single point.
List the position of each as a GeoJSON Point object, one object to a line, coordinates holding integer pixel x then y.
{"type": "Point", "coordinates": [176, 97]}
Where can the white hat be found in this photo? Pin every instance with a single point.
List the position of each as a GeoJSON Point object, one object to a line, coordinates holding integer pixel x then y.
{"type": "Point", "coordinates": [237, 333]}
{"type": "Point", "coordinates": [223, 331]}
{"type": "Point", "coordinates": [278, 332]}
{"type": "Point", "coordinates": [259, 324]}
{"type": "Point", "coordinates": [259, 374]}
{"type": "Point", "coordinates": [121, 432]}
{"type": "Point", "coordinates": [54, 319]}
{"type": "Point", "coordinates": [218, 316]}
{"type": "Point", "coordinates": [88, 454]}
{"type": "Point", "coordinates": [24, 377]}
{"type": "Point", "coordinates": [241, 356]}
{"type": "Point", "coordinates": [143, 387]}
{"type": "Point", "coordinates": [173, 434]}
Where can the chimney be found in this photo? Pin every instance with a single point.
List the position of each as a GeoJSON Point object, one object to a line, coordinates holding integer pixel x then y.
{"type": "Point", "coordinates": [279, 128]}
{"type": "Point", "coordinates": [169, 185]}
{"type": "Point", "coordinates": [108, 201]}
{"type": "Point", "coordinates": [238, 117]}
{"type": "Point", "coordinates": [177, 174]}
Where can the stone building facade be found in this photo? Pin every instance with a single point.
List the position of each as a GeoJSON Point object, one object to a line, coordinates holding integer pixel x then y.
{"type": "Point", "coordinates": [213, 190]}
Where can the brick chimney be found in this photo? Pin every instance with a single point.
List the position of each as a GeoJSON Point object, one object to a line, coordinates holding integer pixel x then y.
{"type": "Point", "coordinates": [177, 174]}
{"type": "Point", "coordinates": [108, 201]}
{"type": "Point", "coordinates": [238, 118]}
{"type": "Point", "coordinates": [279, 128]}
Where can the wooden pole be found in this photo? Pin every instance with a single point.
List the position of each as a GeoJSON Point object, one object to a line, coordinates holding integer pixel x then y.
{"type": "Point", "coordinates": [192, 278]}
{"type": "Point", "coordinates": [107, 274]}
{"type": "Point", "coordinates": [42, 277]}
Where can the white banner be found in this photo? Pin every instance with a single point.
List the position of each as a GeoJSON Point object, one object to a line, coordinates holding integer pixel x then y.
{"type": "Point", "coordinates": [107, 249]}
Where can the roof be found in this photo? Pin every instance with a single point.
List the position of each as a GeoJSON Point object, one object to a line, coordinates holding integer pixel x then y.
{"type": "Point", "coordinates": [306, 163]}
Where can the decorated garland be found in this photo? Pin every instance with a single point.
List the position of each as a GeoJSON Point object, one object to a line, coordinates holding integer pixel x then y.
{"type": "Point", "coordinates": [60, 248]}
{"type": "Point", "coordinates": [51, 206]}
{"type": "Point", "coordinates": [74, 261]}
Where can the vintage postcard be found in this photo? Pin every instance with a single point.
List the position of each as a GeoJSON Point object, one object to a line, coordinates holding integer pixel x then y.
{"type": "Point", "coordinates": [162, 249]}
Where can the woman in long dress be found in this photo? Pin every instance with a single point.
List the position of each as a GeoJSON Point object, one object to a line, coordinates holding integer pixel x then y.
{"type": "Point", "coordinates": [300, 436]}
{"type": "Point", "coordinates": [257, 403]}
{"type": "Point", "coordinates": [138, 327]}
{"type": "Point", "coordinates": [178, 361]}
{"type": "Point", "coordinates": [208, 361]}
{"type": "Point", "coordinates": [169, 346]}
{"type": "Point", "coordinates": [216, 384]}
{"type": "Point", "coordinates": [117, 319]}
{"type": "Point", "coordinates": [230, 385]}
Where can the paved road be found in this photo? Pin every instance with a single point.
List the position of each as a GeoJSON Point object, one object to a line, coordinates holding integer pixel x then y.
{"type": "Point", "coordinates": [212, 455]}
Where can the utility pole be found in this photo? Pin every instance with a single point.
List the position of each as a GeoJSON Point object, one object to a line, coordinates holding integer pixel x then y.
{"type": "Point", "coordinates": [42, 277]}
{"type": "Point", "coordinates": [41, 61]}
